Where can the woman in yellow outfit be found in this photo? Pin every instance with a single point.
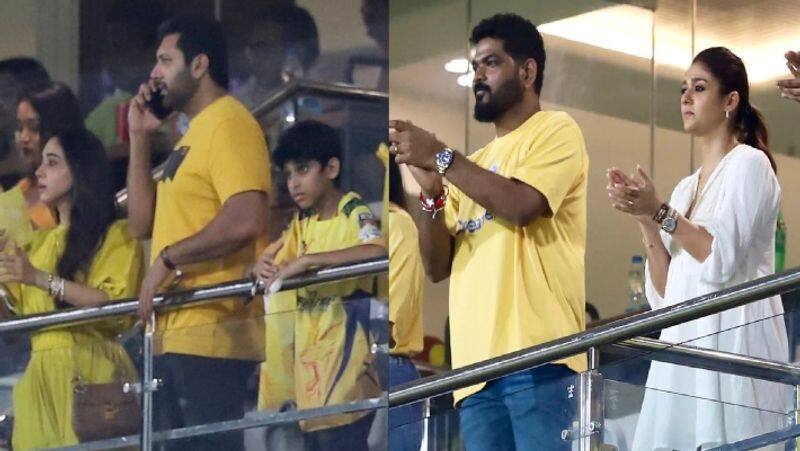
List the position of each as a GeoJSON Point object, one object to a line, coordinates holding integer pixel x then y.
{"type": "Point", "coordinates": [87, 260]}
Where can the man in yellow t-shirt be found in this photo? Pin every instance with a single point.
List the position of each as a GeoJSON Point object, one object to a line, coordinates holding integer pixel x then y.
{"type": "Point", "coordinates": [205, 216]}
{"type": "Point", "coordinates": [330, 362]}
{"type": "Point", "coordinates": [512, 239]}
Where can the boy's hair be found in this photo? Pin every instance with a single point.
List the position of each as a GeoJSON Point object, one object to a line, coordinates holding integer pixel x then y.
{"type": "Point", "coordinates": [520, 39]}
{"type": "Point", "coordinates": [306, 141]}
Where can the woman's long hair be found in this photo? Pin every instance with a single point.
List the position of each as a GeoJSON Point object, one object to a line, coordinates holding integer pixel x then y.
{"type": "Point", "coordinates": [748, 122]}
{"type": "Point", "coordinates": [397, 193]}
{"type": "Point", "coordinates": [56, 106]}
{"type": "Point", "coordinates": [92, 196]}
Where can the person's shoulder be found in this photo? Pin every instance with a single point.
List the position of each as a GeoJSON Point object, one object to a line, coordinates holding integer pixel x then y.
{"type": "Point", "coordinates": [746, 157]}
{"type": "Point", "coordinates": [400, 222]}
{"type": "Point", "coordinates": [119, 234]}
{"type": "Point", "coordinates": [353, 203]}
{"type": "Point", "coordinates": [230, 112]}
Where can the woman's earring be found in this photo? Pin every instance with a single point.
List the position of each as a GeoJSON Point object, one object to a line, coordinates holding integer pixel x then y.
{"type": "Point", "coordinates": [727, 114]}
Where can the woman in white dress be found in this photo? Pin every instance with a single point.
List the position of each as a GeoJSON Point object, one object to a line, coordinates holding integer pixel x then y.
{"type": "Point", "coordinates": [716, 231]}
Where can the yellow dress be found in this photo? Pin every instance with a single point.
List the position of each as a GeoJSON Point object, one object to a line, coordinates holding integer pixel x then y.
{"type": "Point", "coordinates": [43, 396]}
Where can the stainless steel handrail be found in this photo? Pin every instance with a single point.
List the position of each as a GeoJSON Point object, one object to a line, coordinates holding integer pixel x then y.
{"type": "Point", "coordinates": [706, 359]}
{"type": "Point", "coordinates": [641, 324]}
{"type": "Point", "coordinates": [243, 287]}
{"type": "Point", "coordinates": [280, 95]}
{"type": "Point", "coordinates": [121, 198]}
{"type": "Point", "coordinates": [292, 87]}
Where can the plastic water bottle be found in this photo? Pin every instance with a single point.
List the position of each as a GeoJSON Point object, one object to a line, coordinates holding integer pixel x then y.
{"type": "Point", "coordinates": [636, 297]}
{"type": "Point", "coordinates": [780, 244]}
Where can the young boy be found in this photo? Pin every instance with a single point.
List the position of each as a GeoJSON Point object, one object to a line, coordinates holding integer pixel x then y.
{"type": "Point", "coordinates": [331, 352]}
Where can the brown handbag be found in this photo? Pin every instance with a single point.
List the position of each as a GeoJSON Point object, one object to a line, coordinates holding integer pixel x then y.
{"type": "Point", "coordinates": [102, 411]}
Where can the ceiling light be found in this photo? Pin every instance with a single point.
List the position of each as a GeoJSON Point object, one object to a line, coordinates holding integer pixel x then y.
{"type": "Point", "coordinates": [465, 80]}
{"type": "Point", "coordinates": [629, 29]}
{"type": "Point", "coordinates": [457, 66]}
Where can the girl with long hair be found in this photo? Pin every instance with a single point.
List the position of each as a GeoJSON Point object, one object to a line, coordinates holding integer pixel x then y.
{"type": "Point", "coordinates": [88, 259]}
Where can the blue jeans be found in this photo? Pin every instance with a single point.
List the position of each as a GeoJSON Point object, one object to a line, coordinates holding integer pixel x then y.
{"type": "Point", "coordinates": [405, 422]}
{"type": "Point", "coordinates": [523, 411]}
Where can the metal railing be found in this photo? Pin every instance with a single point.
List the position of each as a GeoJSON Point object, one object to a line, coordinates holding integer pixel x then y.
{"type": "Point", "coordinates": [614, 332]}
{"type": "Point", "coordinates": [176, 299]}
{"type": "Point", "coordinates": [280, 95]}
{"type": "Point", "coordinates": [300, 86]}
{"type": "Point", "coordinates": [706, 359]}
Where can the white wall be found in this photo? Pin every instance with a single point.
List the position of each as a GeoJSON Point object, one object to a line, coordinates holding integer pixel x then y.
{"type": "Point", "coordinates": [43, 29]}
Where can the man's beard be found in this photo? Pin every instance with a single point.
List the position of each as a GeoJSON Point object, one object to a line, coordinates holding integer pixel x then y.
{"type": "Point", "coordinates": [500, 100]}
{"type": "Point", "coordinates": [182, 90]}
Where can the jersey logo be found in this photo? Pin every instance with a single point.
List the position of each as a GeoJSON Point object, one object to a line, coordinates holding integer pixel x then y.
{"type": "Point", "coordinates": [351, 205]}
{"type": "Point", "coordinates": [473, 225]}
{"type": "Point", "coordinates": [368, 227]}
{"type": "Point", "coordinates": [174, 161]}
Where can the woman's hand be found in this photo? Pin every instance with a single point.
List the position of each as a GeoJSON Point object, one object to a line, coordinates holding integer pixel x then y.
{"type": "Point", "coordinates": [16, 267]}
{"type": "Point", "coordinates": [635, 195]}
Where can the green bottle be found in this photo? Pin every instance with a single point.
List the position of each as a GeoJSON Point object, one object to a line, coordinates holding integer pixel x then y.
{"type": "Point", "coordinates": [780, 244]}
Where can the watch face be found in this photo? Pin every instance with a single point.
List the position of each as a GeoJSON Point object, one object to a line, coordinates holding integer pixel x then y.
{"type": "Point", "coordinates": [443, 160]}
{"type": "Point", "coordinates": [444, 157]}
{"type": "Point", "coordinates": [669, 225]}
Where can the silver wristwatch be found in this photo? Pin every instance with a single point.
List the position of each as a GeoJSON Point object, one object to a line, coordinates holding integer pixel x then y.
{"type": "Point", "coordinates": [444, 158]}
{"type": "Point", "coordinates": [670, 221]}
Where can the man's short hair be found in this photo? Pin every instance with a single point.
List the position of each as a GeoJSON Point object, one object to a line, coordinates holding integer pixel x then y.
{"type": "Point", "coordinates": [25, 71]}
{"type": "Point", "coordinates": [199, 35]}
{"type": "Point", "coordinates": [520, 39]}
{"type": "Point", "coordinates": [308, 140]}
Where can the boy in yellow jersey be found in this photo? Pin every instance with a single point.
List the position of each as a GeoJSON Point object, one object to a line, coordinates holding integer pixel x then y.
{"type": "Point", "coordinates": [511, 238]}
{"type": "Point", "coordinates": [331, 353]}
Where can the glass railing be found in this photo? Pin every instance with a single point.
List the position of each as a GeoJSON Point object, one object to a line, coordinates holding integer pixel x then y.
{"type": "Point", "coordinates": [68, 384]}
{"type": "Point", "coordinates": [307, 368]}
{"type": "Point", "coordinates": [724, 381]}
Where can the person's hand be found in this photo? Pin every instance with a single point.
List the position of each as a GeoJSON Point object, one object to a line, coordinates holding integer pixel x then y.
{"type": "Point", "coordinates": [155, 278]}
{"type": "Point", "coordinates": [264, 268]}
{"type": "Point", "coordinates": [15, 267]}
{"type": "Point", "coordinates": [269, 272]}
{"type": "Point", "coordinates": [140, 119]}
{"type": "Point", "coordinates": [790, 87]}
{"type": "Point", "coordinates": [431, 183]}
{"type": "Point", "coordinates": [635, 195]}
{"type": "Point", "coordinates": [413, 145]}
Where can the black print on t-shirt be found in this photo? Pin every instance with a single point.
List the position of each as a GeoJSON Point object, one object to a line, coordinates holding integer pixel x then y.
{"type": "Point", "coordinates": [174, 162]}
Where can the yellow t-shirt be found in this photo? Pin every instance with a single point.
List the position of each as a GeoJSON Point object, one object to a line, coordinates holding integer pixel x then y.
{"type": "Point", "coordinates": [222, 154]}
{"type": "Point", "coordinates": [116, 269]}
{"type": "Point", "coordinates": [406, 276]}
{"type": "Point", "coordinates": [317, 368]}
{"type": "Point", "coordinates": [514, 287]}
{"type": "Point", "coordinates": [43, 396]}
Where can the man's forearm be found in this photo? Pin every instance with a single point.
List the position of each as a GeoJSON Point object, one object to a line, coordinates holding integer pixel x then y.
{"type": "Point", "coordinates": [435, 243]}
{"type": "Point", "coordinates": [505, 198]}
{"type": "Point", "coordinates": [141, 188]}
{"type": "Point", "coordinates": [235, 227]}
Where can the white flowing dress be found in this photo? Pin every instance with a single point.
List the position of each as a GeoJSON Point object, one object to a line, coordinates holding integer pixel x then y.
{"type": "Point", "coordinates": [686, 408]}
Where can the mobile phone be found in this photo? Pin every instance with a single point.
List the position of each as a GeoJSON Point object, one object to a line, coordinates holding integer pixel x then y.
{"type": "Point", "coordinates": [156, 105]}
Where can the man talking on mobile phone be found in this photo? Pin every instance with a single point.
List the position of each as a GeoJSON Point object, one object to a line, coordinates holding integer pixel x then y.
{"type": "Point", "coordinates": [205, 217]}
